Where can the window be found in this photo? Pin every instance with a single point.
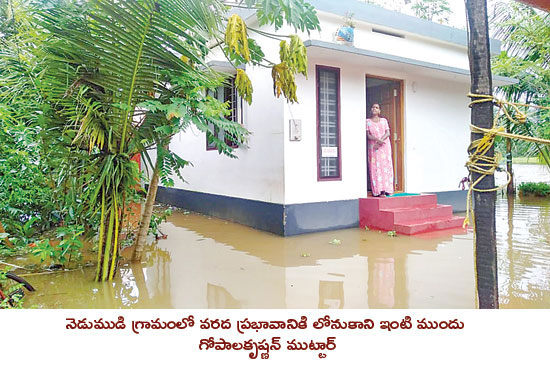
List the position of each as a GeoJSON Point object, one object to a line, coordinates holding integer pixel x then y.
{"type": "Point", "coordinates": [328, 123]}
{"type": "Point", "coordinates": [225, 94]}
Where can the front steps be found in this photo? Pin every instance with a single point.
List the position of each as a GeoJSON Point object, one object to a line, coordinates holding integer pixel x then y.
{"type": "Point", "coordinates": [407, 215]}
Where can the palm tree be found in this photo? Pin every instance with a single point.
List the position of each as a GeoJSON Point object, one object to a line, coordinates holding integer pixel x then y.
{"type": "Point", "coordinates": [137, 72]}
{"type": "Point", "coordinates": [526, 57]}
{"type": "Point", "coordinates": [114, 57]}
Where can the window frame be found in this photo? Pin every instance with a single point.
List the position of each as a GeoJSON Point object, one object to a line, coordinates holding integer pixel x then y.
{"type": "Point", "coordinates": [236, 113]}
{"type": "Point", "coordinates": [318, 69]}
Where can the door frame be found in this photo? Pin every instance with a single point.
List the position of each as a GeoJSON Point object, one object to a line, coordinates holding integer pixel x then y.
{"type": "Point", "coordinates": [400, 115]}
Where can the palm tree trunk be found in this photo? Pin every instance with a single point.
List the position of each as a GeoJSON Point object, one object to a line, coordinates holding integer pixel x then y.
{"type": "Point", "coordinates": [109, 244]}
{"type": "Point", "coordinates": [510, 189]}
{"type": "Point", "coordinates": [147, 213]}
{"type": "Point", "coordinates": [482, 116]}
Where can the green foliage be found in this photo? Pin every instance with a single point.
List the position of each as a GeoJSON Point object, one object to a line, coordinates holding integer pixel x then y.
{"type": "Point", "coordinates": [13, 293]}
{"type": "Point", "coordinates": [67, 248]}
{"type": "Point", "coordinates": [24, 192]}
{"type": "Point", "coordinates": [41, 179]}
{"type": "Point", "coordinates": [256, 54]}
{"type": "Point", "coordinates": [90, 84]}
{"type": "Point", "coordinates": [525, 56]}
{"type": "Point", "coordinates": [432, 10]}
{"type": "Point", "coordinates": [24, 232]}
{"type": "Point", "coordinates": [296, 13]}
{"type": "Point", "coordinates": [156, 220]}
{"type": "Point", "coordinates": [536, 189]}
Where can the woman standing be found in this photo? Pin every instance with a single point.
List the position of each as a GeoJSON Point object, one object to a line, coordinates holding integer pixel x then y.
{"type": "Point", "coordinates": [380, 161]}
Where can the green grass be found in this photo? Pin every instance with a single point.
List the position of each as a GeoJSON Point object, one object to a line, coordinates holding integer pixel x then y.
{"type": "Point", "coordinates": [535, 189]}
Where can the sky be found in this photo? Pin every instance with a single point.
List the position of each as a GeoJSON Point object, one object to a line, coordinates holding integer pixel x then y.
{"type": "Point", "coordinates": [456, 19]}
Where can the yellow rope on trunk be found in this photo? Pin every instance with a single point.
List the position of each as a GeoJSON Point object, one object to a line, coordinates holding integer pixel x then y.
{"type": "Point", "coordinates": [479, 162]}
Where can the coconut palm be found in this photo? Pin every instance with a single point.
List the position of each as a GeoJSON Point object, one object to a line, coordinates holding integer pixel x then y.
{"type": "Point", "coordinates": [526, 56]}
{"type": "Point", "coordinates": [114, 56]}
{"type": "Point", "coordinates": [137, 73]}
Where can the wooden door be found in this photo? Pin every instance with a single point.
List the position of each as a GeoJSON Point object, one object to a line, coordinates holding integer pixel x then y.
{"type": "Point", "coordinates": [387, 93]}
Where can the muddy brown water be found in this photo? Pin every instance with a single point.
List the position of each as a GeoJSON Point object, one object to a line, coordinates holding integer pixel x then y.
{"type": "Point", "coordinates": [210, 263]}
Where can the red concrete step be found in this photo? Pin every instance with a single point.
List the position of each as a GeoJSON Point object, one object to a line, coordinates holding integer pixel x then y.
{"type": "Point", "coordinates": [400, 215]}
{"type": "Point", "coordinates": [377, 203]}
{"type": "Point", "coordinates": [407, 214]}
{"type": "Point", "coordinates": [378, 212]}
{"type": "Point", "coordinates": [416, 227]}
{"type": "Point", "coordinates": [407, 201]}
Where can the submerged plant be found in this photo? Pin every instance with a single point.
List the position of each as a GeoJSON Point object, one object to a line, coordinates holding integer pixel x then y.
{"type": "Point", "coordinates": [156, 220]}
{"type": "Point", "coordinates": [68, 246]}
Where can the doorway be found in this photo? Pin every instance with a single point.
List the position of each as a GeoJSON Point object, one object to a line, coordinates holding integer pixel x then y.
{"type": "Point", "coordinates": [388, 93]}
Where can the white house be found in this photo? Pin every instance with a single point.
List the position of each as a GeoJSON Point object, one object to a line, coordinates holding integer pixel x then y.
{"type": "Point", "coordinates": [304, 168]}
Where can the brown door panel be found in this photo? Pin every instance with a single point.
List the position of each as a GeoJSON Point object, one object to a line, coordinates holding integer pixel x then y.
{"type": "Point", "coordinates": [388, 96]}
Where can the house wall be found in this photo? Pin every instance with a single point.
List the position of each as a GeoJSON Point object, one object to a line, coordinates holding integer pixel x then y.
{"type": "Point", "coordinates": [273, 184]}
{"type": "Point", "coordinates": [260, 172]}
{"type": "Point", "coordinates": [412, 46]}
{"type": "Point", "coordinates": [301, 184]}
{"type": "Point", "coordinates": [436, 135]}
{"type": "Point", "coordinates": [257, 172]}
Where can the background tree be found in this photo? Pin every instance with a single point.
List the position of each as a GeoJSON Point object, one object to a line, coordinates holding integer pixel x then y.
{"type": "Point", "coordinates": [432, 10]}
{"type": "Point", "coordinates": [525, 56]}
{"type": "Point", "coordinates": [40, 182]}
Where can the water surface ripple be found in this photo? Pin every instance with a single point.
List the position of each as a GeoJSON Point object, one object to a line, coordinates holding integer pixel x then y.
{"type": "Point", "coordinates": [210, 263]}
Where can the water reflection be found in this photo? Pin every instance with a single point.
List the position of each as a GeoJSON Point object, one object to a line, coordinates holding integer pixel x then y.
{"type": "Point", "coordinates": [524, 252]}
{"type": "Point", "coordinates": [331, 294]}
{"type": "Point", "coordinates": [145, 285]}
{"type": "Point", "coordinates": [387, 286]}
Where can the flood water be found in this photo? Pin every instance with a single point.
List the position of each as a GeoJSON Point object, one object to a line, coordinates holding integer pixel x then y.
{"type": "Point", "coordinates": [210, 263]}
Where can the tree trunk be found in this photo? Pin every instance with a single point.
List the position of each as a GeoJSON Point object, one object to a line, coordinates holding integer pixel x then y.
{"type": "Point", "coordinates": [511, 190]}
{"type": "Point", "coordinates": [6, 240]}
{"type": "Point", "coordinates": [482, 116]}
{"type": "Point", "coordinates": [109, 241]}
{"type": "Point", "coordinates": [147, 214]}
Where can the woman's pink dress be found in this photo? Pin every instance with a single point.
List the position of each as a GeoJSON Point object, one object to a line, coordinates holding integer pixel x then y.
{"type": "Point", "coordinates": [380, 158]}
